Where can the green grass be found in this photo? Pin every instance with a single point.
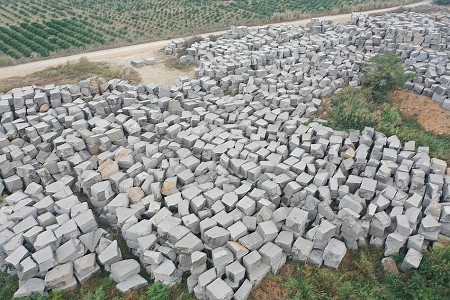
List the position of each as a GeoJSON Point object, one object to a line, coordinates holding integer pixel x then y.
{"type": "Point", "coordinates": [8, 286]}
{"type": "Point", "coordinates": [158, 292]}
{"type": "Point", "coordinates": [361, 276]}
{"type": "Point", "coordinates": [411, 130]}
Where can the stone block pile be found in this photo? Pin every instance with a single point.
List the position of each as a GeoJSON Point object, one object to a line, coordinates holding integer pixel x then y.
{"type": "Point", "coordinates": [322, 57]}
{"type": "Point", "coordinates": [139, 63]}
{"type": "Point", "coordinates": [423, 42]}
{"type": "Point", "coordinates": [174, 47]}
{"type": "Point", "coordinates": [51, 239]}
{"type": "Point", "coordinates": [218, 179]}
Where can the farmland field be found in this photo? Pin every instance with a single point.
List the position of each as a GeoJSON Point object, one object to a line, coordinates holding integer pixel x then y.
{"type": "Point", "coordinates": [34, 29]}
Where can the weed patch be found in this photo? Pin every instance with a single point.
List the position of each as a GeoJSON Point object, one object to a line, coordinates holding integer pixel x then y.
{"type": "Point", "coordinates": [173, 62]}
{"type": "Point", "coordinates": [361, 276]}
{"type": "Point", "coordinates": [350, 109]}
{"type": "Point", "coordinates": [370, 106]}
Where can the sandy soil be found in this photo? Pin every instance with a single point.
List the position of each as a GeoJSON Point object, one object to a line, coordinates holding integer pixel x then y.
{"type": "Point", "coordinates": [158, 73]}
{"type": "Point", "coordinates": [430, 114]}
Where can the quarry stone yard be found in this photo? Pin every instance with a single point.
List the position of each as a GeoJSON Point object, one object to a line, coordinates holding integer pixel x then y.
{"type": "Point", "coordinates": [222, 175]}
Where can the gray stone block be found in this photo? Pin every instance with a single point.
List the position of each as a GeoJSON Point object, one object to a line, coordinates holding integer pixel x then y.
{"type": "Point", "coordinates": [29, 287]}
{"type": "Point", "coordinates": [110, 254]}
{"type": "Point", "coordinates": [85, 267]}
{"type": "Point", "coordinates": [268, 231]}
{"type": "Point", "coordinates": [189, 244]}
{"type": "Point", "coordinates": [219, 290]}
{"type": "Point", "coordinates": [301, 249]}
{"type": "Point", "coordinates": [124, 269]}
{"type": "Point", "coordinates": [411, 260]}
{"type": "Point", "coordinates": [70, 251]}
{"type": "Point", "coordinates": [252, 241]}
{"type": "Point", "coordinates": [216, 237]}
{"type": "Point", "coordinates": [134, 282]}
{"type": "Point", "coordinates": [61, 277]}
{"type": "Point", "coordinates": [244, 290]}
{"type": "Point", "coordinates": [333, 253]}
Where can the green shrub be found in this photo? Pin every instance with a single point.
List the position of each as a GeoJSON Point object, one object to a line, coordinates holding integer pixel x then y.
{"type": "Point", "coordinates": [351, 110]}
{"type": "Point", "coordinates": [8, 285]}
{"type": "Point", "coordinates": [158, 291]}
{"type": "Point", "coordinates": [382, 74]}
{"type": "Point", "coordinates": [213, 37]}
{"type": "Point", "coordinates": [98, 294]}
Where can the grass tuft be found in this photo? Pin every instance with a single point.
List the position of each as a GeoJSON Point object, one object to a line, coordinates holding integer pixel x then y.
{"type": "Point", "coordinates": [173, 62]}
{"type": "Point", "coordinates": [158, 292]}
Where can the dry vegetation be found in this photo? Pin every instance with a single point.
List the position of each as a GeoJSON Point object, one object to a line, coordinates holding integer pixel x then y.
{"type": "Point", "coordinates": [274, 287]}
{"type": "Point", "coordinates": [71, 73]}
{"type": "Point", "coordinates": [173, 62]}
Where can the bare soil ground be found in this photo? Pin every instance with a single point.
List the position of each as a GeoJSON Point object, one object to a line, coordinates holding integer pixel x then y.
{"type": "Point", "coordinates": [164, 72]}
{"type": "Point", "coordinates": [160, 73]}
{"type": "Point", "coordinates": [428, 113]}
{"type": "Point", "coordinates": [71, 73]}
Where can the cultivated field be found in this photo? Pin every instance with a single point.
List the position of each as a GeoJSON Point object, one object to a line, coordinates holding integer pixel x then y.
{"type": "Point", "coordinates": [34, 29]}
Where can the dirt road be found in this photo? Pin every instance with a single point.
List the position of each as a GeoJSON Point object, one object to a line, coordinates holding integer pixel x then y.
{"type": "Point", "coordinates": [122, 55]}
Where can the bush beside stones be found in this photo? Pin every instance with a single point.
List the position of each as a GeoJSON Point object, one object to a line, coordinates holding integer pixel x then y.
{"type": "Point", "coordinates": [382, 74]}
